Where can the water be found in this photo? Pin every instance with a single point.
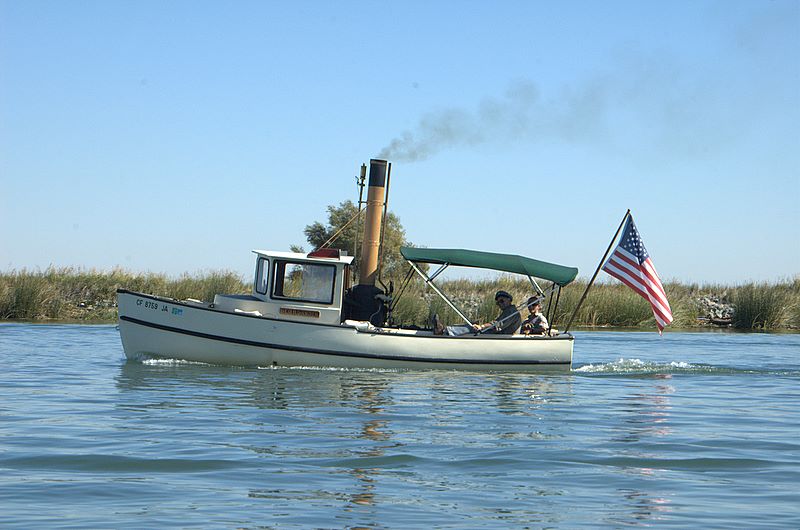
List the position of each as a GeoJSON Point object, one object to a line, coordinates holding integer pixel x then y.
{"type": "Point", "coordinates": [690, 429]}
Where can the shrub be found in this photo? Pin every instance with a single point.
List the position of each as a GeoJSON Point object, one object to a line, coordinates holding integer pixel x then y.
{"type": "Point", "coordinates": [761, 306]}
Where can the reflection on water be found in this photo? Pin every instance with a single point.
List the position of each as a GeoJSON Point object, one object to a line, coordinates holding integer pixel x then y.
{"type": "Point", "coordinates": [368, 392]}
{"type": "Point", "coordinates": [643, 507]}
{"type": "Point", "coordinates": [381, 429]}
{"type": "Point", "coordinates": [374, 427]}
{"type": "Point", "coordinates": [645, 418]}
{"type": "Point", "coordinates": [495, 445]}
{"type": "Point", "coordinates": [372, 398]}
{"type": "Point", "coordinates": [646, 412]}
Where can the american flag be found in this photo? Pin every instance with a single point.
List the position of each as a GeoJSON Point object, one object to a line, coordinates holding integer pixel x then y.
{"type": "Point", "coordinates": [631, 264]}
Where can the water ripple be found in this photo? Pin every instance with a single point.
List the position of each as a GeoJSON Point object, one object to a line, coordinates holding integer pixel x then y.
{"type": "Point", "coordinates": [116, 464]}
{"type": "Point", "coordinates": [688, 429]}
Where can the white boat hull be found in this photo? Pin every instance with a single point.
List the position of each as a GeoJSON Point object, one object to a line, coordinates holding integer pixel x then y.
{"type": "Point", "coordinates": [153, 327]}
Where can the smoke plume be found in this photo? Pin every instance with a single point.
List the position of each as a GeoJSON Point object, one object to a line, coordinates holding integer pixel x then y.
{"type": "Point", "coordinates": [520, 114]}
{"type": "Point", "coordinates": [652, 106]}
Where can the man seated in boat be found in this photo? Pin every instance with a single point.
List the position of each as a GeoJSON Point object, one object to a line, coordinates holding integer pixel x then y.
{"type": "Point", "coordinates": [506, 323]}
{"type": "Point", "coordinates": [536, 323]}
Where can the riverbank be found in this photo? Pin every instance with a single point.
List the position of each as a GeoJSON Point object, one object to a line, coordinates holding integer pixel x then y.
{"type": "Point", "coordinates": [68, 294]}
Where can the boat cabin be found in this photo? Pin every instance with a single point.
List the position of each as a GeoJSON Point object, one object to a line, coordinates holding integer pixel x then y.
{"type": "Point", "coordinates": [294, 286]}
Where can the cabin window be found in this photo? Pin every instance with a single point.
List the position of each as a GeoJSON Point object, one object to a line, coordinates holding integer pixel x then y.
{"type": "Point", "coordinates": [262, 275]}
{"type": "Point", "coordinates": [304, 282]}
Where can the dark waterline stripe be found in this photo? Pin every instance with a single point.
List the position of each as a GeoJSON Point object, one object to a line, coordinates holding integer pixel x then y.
{"type": "Point", "coordinates": [328, 352]}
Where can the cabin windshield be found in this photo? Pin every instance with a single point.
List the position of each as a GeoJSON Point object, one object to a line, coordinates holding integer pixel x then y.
{"type": "Point", "coordinates": [262, 272]}
{"type": "Point", "coordinates": [304, 282]}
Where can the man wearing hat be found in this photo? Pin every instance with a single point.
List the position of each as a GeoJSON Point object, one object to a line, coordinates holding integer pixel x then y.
{"type": "Point", "coordinates": [509, 319]}
{"type": "Point", "coordinates": [507, 322]}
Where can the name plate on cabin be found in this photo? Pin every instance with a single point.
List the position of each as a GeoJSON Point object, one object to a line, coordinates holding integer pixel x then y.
{"type": "Point", "coordinates": [299, 312]}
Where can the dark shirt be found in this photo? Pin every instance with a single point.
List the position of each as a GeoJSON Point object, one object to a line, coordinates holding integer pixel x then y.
{"type": "Point", "coordinates": [510, 321]}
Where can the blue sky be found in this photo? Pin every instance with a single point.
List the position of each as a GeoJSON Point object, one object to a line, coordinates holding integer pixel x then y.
{"type": "Point", "coordinates": [177, 136]}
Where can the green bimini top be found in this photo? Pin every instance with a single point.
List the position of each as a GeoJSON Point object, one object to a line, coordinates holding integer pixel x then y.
{"type": "Point", "coordinates": [491, 260]}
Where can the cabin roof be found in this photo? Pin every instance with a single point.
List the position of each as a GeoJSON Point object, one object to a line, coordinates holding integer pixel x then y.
{"type": "Point", "coordinates": [299, 256]}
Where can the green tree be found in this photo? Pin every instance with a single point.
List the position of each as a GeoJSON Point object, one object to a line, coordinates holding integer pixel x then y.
{"type": "Point", "coordinates": [394, 266]}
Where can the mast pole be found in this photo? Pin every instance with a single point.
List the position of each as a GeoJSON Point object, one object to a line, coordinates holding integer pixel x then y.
{"type": "Point", "coordinates": [360, 183]}
{"type": "Point", "coordinates": [597, 270]}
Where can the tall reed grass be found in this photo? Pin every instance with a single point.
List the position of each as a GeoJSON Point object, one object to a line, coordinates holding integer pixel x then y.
{"type": "Point", "coordinates": [89, 295]}
{"type": "Point", "coordinates": [765, 306]}
{"type": "Point", "coordinates": [758, 306]}
{"type": "Point", "coordinates": [78, 294]}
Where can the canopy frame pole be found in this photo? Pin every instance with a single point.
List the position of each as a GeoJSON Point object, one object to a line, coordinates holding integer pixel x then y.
{"type": "Point", "coordinates": [550, 300]}
{"type": "Point", "coordinates": [438, 271]}
{"type": "Point", "coordinates": [429, 282]}
{"type": "Point", "coordinates": [555, 312]}
{"type": "Point", "coordinates": [406, 281]}
{"type": "Point", "coordinates": [535, 286]}
{"type": "Point", "coordinates": [597, 270]}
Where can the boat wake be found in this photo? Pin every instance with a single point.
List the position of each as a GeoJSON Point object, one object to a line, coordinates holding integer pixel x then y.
{"type": "Point", "coordinates": [621, 367]}
{"type": "Point", "coordinates": [651, 368]}
{"type": "Point", "coordinates": [169, 362]}
{"type": "Point", "coordinates": [637, 366]}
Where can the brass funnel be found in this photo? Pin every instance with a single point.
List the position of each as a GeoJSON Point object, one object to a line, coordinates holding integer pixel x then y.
{"type": "Point", "coordinates": [370, 248]}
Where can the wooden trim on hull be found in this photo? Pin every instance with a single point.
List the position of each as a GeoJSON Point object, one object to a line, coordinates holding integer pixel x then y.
{"type": "Point", "coordinates": [244, 342]}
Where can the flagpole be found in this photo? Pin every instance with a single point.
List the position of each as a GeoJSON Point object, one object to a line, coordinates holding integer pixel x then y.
{"type": "Point", "coordinates": [597, 271]}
